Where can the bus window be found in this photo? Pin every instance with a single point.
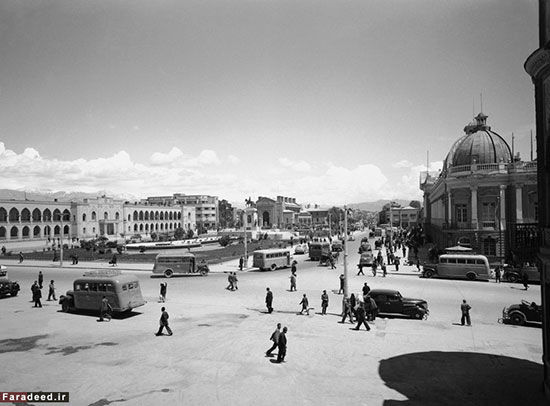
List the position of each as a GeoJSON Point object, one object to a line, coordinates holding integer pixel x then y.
{"type": "Point", "coordinates": [78, 286]}
{"type": "Point", "coordinates": [461, 260]}
{"type": "Point", "coordinates": [443, 260]}
{"type": "Point", "coordinates": [480, 262]}
{"type": "Point", "coordinates": [93, 287]}
{"type": "Point", "coordinates": [130, 285]}
{"type": "Point", "coordinates": [471, 261]}
{"type": "Point", "coordinates": [124, 287]}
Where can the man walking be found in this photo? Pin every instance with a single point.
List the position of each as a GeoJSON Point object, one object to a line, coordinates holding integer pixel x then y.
{"type": "Point", "coordinates": [40, 279]}
{"type": "Point", "coordinates": [305, 305]}
{"type": "Point", "coordinates": [235, 280]}
{"type": "Point", "coordinates": [342, 283]}
{"type": "Point", "coordinates": [230, 281]}
{"type": "Point", "coordinates": [397, 262]}
{"type": "Point", "coordinates": [241, 262]}
{"type": "Point", "coordinates": [324, 302]}
{"type": "Point", "coordinates": [163, 323]}
{"type": "Point", "coordinates": [366, 289]}
{"type": "Point", "coordinates": [269, 300]}
{"type": "Point", "coordinates": [360, 313]}
{"type": "Point", "coordinates": [51, 291]}
{"type": "Point", "coordinates": [20, 257]}
{"type": "Point", "coordinates": [293, 268]}
{"type": "Point", "coordinates": [525, 279]}
{"type": "Point", "coordinates": [497, 274]}
{"type": "Point", "coordinates": [465, 309]}
{"type": "Point", "coordinates": [282, 346]}
{"type": "Point", "coordinates": [348, 311]}
{"type": "Point", "coordinates": [163, 288]}
{"type": "Point", "coordinates": [293, 282]}
{"type": "Point", "coordinates": [36, 295]}
{"type": "Point", "coordinates": [275, 338]}
{"type": "Point", "coordinates": [105, 310]}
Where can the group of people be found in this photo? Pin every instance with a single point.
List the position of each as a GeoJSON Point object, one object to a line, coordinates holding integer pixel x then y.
{"type": "Point", "coordinates": [232, 281]}
{"type": "Point", "coordinates": [361, 311]}
{"type": "Point", "coordinates": [279, 343]}
{"type": "Point", "coordinates": [36, 290]}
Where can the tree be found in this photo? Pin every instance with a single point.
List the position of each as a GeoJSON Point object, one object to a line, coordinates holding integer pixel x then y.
{"type": "Point", "coordinates": [226, 214]}
{"type": "Point", "coordinates": [416, 204]}
{"type": "Point", "coordinates": [179, 233]}
{"type": "Point", "coordinates": [190, 233]}
{"type": "Point", "coordinates": [225, 240]}
{"type": "Point", "coordinates": [154, 236]}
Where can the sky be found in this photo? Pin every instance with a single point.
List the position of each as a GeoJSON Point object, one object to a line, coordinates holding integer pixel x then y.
{"type": "Point", "coordinates": [328, 101]}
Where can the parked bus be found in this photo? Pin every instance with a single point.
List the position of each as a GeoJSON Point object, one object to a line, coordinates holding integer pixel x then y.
{"type": "Point", "coordinates": [122, 290]}
{"type": "Point", "coordinates": [272, 258]}
{"type": "Point", "coordinates": [178, 264]}
{"type": "Point", "coordinates": [459, 266]}
{"type": "Point", "coordinates": [318, 250]}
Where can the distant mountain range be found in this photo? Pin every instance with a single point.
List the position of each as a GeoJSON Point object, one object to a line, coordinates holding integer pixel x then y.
{"type": "Point", "coordinates": [377, 205]}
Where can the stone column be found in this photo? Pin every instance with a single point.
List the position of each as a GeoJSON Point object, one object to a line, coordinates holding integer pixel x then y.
{"type": "Point", "coordinates": [473, 191]}
{"type": "Point", "coordinates": [449, 208]}
{"type": "Point", "coordinates": [502, 209]}
{"type": "Point", "coordinates": [519, 204]}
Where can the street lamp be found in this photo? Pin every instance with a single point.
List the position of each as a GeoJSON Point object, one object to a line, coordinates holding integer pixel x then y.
{"type": "Point", "coordinates": [61, 240]}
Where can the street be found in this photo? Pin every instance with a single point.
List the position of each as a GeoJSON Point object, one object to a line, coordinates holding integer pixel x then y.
{"type": "Point", "coordinates": [216, 355]}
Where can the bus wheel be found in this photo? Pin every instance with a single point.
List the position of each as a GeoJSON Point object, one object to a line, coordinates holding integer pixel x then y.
{"type": "Point", "coordinates": [204, 272]}
{"type": "Point", "coordinates": [471, 276]}
{"type": "Point", "coordinates": [273, 267]}
{"type": "Point", "coordinates": [168, 273]}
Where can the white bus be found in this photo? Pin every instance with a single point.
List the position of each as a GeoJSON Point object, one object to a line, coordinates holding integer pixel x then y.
{"type": "Point", "coordinates": [272, 258]}
{"type": "Point", "coordinates": [467, 266]}
{"type": "Point", "coordinates": [178, 264]}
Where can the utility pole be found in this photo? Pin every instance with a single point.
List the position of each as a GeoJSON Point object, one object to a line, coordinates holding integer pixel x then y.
{"type": "Point", "coordinates": [329, 227]}
{"type": "Point", "coordinates": [345, 253]}
{"type": "Point", "coordinates": [245, 259]}
{"type": "Point", "coordinates": [61, 245]}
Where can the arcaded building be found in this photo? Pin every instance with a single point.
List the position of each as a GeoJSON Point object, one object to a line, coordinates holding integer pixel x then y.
{"type": "Point", "coordinates": [483, 198]}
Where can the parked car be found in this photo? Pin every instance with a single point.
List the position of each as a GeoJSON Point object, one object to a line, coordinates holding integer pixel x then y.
{"type": "Point", "coordinates": [513, 274]}
{"type": "Point", "coordinates": [522, 313]}
{"type": "Point", "coordinates": [337, 246]}
{"type": "Point", "coordinates": [300, 249]}
{"type": "Point", "coordinates": [390, 302]}
{"type": "Point", "coordinates": [7, 286]}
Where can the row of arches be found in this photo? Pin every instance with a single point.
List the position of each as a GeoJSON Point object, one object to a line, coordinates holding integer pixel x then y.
{"type": "Point", "coordinates": [155, 227]}
{"type": "Point", "coordinates": [14, 215]}
{"type": "Point", "coordinates": [105, 216]}
{"type": "Point", "coordinates": [155, 215]}
{"type": "Point", "coordinates": [27, 232]}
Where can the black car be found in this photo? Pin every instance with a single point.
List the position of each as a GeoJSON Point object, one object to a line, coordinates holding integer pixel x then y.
{"type": "Point", "coordinates": [522, 313]}
{"type": "Point", "coordinates": [7, 287]}
{"type": "Point", "coordinates": [390, 302]}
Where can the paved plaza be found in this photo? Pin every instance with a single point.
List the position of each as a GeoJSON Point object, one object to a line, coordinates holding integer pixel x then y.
{"type": "Point", "coordinates": [217, 353]}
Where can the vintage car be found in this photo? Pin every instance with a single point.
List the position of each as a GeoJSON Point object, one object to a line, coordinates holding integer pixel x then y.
{"type": "Point", "coordinates": [7, 287]}
{"type": "Point", "coordinates": [300, 249]}
{"type": "Point", "coordinates": [121, 290]}
{"type": "Point", "coordinates": [337, 246]}
{"type": "Point", "coordinates": [391, 303]}
{"type": "Point", "coordinates": [513, 274]}
{"type": "Point", "coordinates": [365, 260]}
{"type": "Point", "coordinates": [522, 313]}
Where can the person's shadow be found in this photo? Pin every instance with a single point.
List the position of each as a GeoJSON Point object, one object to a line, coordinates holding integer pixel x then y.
{"type": "Point", "coordinates": [462, 378]}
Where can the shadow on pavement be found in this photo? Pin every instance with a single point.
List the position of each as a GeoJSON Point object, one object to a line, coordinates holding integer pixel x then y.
{"type": "Point", "coordinates": [91, 313]}
{"type": "Point", "coordinates": [462, 378]}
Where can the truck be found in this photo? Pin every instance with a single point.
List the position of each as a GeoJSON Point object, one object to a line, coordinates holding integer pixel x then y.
{"type": "Point", "coordinates": [7, 286]}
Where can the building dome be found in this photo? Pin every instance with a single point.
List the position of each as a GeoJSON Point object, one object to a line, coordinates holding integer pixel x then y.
{"type": "Point", "coordinates": [479, 145]}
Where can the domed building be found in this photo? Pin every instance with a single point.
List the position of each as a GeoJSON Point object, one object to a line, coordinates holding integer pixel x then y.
{"type": "Point", "coordinates": [483, 198]}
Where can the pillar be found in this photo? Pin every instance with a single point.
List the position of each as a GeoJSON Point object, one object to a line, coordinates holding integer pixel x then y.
{"type": "Point", "coordinates": [519, 204]}
{"type": "Point", "coordinates": [449, 208]}
{"type": "Point", "coordinates": [502, 208]}
{"type": "Point", "coordinates": [473, 191]}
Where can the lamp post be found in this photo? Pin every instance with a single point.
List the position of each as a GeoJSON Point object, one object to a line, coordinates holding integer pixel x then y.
{"type": "Point", "coordinates": [345, 253]}
{"type": "Point", "coordinates": [61, 240]}
{"type": "Point", "coordinates": [245, 259]}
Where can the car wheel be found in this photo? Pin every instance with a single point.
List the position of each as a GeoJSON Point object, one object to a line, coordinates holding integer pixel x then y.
{"type": "Point", "coordinates": [518, 319]}
{"type": "Point", "coordinates": [273, 267]}
{"type": "Point", "coordinates": [512, 278]}
{"type": "Point", "coordinates": [428, 273]}
{"type": "Point", "coordinates": [168, 273]}
{"type": "Point", "coordinates": [13, 293]}
{"type": "Point", "coordinates": [65, 307]}
{"type": "Point", "coordinates": [418, 315]}
{"type": "Point", "coordinates": [471, 276]}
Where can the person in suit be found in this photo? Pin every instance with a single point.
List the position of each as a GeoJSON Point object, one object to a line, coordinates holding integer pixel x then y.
{"type": "Point", "coordinates": [163, 322]}
{"type": "Point", "coordinates": [324, 302]}
{"type": "Point", "coordinates": [269, 300]}
{"type": "Point", "coordinates": [282, 346]}
{"type": "Point", "coordinates": [275, 338]}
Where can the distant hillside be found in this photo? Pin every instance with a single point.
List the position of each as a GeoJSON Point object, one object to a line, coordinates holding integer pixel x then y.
{"type": "Point", "coordinates": [377, 205]}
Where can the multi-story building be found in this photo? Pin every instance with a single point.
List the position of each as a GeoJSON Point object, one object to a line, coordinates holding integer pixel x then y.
{"type": "Point", "coordinates": [206, 209]}
{"type": "Point", "coordinates": [483, 198]}
{"type": "Point", "coordinates": [399, 216]}
{"type": "Point", "coordinates": [279, 213]}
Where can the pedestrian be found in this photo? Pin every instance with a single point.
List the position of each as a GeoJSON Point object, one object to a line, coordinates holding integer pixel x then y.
{"type": "Point", "coordinates": [40, 279]}
{"type": "Point", "coordinates": [397, 263]}
{"type": "Point", "coordinates": [374, 266]}
{"type": "Point", "coordinates": [293, 282]}
{"type": "Point", "coordinates": [275, 338]}
{"type": "Point", "coordinates": [324, 302]}
{"type": "Point", "coordinates": [331, 261]}
{"type": "Point", "coordinates": [36, 295]}
{"type": "Point", "coordinates": [113, 260]}
{"type": "Point", "coordinates": [235, 280]}
{"type": "Point", "coordinates": [3, 250]}
{"type": "Point", "coordinates": [417, 264]}
{"type": "Point", "coordinates": [525, 279]}
{"type": "Point", "coordinates": [497, 274]}
{"type": "Point", "coordinates": [20, 257]}
{"type": "Point", "coordinates": [293, 267]}
{"type": "Point", "coordinates": [230, 281]}
{"type": "Point", "coordinates": [163, 322]}
{"type": "Point", "coordinates": [366, 289]}
{"type": "Point", "coordinates": [241, 263]}
{"type": "Point", "coordinates": [163, 288]}
{"type": "Point", "coordinates": [305, 305]}
{"type": "Point", "coordinates": [404, 250]}
{"type": "Point", "coordinates": [55, 256]}
{"type": "Point", "coordinates": [105, 310]}
{"type": "Point", "coordinates": [347, 312]}
{"type": "Point", "coordinates": [360, 269]}
{"type": "Point", "coordinates": [465, 309]}
{"type": "Point", "coordinates": [282, 345]}
{"type": "Point", "coordinates": [353, 303]}
{"type": "Point", "coordinates": [51, 291]}
{"type": "Point", "coordinates": [269, 300]}
{"type": "Point", "coordinates": [33, 287]}
{"type": "Point", "coordinates": [342, 283]}
{"type": "Point", "coordinates": [76, 259]}
{"type": "Point", "coordinates": [384, 270]}
{"type": "Point", "coordinates": [361, 318]}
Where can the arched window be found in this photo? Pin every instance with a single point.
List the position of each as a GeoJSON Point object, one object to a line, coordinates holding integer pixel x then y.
{"type": "Point", "coordinates": [3, 215]}
{"type": "Point", "coordinates": [36, 215]}
{"type": "Point", "coordinates": [117, 216]}
{"type": "Point", "coordinates": [56, 215]}
{"type": "Point", "coordinates": [157, 226]}
{"type": "Point", "coordinates": [84, 217]}
{"type": "Point", "coordinates": [14, 215]}
{"type": "Point", "coordinates": [135, 216]}
{"type": "Point", "coordinates": [2, 233]}
{"type": "Point", "coordinates": [146, 225]}
{"type": "Point", "coordinates": [152, 227]}
{"type": "Point", "coordinates": [26, 231]}
{"type": "Point", "coordinates": [14, 232]}
{"type": "Point", "coordinates": [36, 232]}
{"type": "Point", "coordinates": [26, 215]}
{"type": "Point", "coordinates": [165, 215]}
{"type": "Point", "coordinates": [47, 215]}
{"type": "Point", "coordinates": [105, 216]}
{"type": "Point", "coordinates": [47, 231]}
{"type": "Point", "coordinates": [135, 227]}
{"type": "Point", "coordinates": [170, 215]}
{"type": "Point", "coordinates": [146, 217]}
{"type": "Point", "coordinates": [161, 226]}
{"type": "Point", "coordinates": [156, 215]}
{"type": "Point", "coordinates": [56, 230]}
{"type": "Point", "coordinates": [140, 216]}
{"type": "Point", "coordinates": [66, 230]}
{"type": "Point", "coordinates": [162, 215]}
{"type": "Point", "coordinates": [66, 215]}
{"type": "Point", "coordinates": [179, 215]}
{"type": "Point", "coordinates": [129, 218]}
{"type": "Point", "coordinates": [141, 227]}
{"type": "Point", "coordinates": [151, 215]}
{"type": "Point", "coordinates": [93, 216]}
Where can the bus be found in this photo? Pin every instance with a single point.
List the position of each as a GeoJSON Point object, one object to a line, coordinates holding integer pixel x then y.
{"type": "Point", "coordinates": [467, 266]}
{"type": "Point", "coordinates": [178, 264]}
{"type": "Point", "coordinates": [121, 290]}
{"type": "Point", "coordinates": [272, 258]}
{"type": "Point", "coordinates": [318, 250]}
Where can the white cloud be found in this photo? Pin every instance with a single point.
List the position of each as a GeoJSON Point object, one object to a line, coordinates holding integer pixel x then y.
{"type": "Point", "coordinates": [176, 158]}
{"type": "Point", "coordinates": [298, 166]}
{"type": "Point", "coordinates": [403, 164]}
{"type": "Point", "coordinates": [232, 159]}
{"type": "Point", "coordinates": [158, 158]}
